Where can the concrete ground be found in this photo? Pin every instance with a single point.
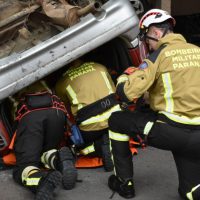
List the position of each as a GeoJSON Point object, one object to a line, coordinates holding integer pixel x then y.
{"type": "Point", "coordinates": [155, 179]}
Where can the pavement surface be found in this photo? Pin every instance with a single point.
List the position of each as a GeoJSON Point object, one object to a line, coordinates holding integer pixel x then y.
{"type": "Point", "coordinates": [155, 179]}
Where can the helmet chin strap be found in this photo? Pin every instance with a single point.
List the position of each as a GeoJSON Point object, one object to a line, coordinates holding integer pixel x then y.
{"type": "Point", "coordinates": [151, 38]}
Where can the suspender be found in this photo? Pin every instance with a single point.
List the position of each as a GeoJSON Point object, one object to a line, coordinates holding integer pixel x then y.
{"type": "Point", "coordinates": [39, 101]}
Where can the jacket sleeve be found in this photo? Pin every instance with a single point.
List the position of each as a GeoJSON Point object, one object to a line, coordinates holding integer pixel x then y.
{"type": "Point", "coordinates": [131, 87]}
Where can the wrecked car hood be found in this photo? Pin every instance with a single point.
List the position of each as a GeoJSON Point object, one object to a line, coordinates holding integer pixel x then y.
{"type": "Point", "coordinates": [21, 69]}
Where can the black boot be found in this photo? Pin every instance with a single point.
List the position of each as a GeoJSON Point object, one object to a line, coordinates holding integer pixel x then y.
{"type": "Point", "coordinates": [47, 185]}
{"type": "Point", "coordinates": [66, 165]}
{"type": "Point", "coordinates": [123, 188]}
{"type": "Point", "coordinates": [106, 154]}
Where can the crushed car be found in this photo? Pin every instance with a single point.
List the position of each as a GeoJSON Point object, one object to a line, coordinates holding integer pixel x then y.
{"type": "Point", "coordinates": [39, 37]}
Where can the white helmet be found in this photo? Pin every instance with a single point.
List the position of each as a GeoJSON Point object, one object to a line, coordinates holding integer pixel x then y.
{"type": "Point", "coordinates": [155, 16]}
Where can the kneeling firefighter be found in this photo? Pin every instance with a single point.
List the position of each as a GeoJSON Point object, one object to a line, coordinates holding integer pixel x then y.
{"type": "Point", "coordinates": [89, 90]}
{"type": "Point", "coordinates": [41, 164]}
{"type": "Point", "coordinates": [171, 76]}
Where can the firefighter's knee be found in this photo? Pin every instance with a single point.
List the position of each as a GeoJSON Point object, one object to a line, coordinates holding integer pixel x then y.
{"type": "Point", "coordinates": [194, 194]}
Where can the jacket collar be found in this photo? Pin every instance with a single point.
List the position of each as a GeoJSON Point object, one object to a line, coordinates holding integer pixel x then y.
{"type": "Point", "coordinates": [171, 38]}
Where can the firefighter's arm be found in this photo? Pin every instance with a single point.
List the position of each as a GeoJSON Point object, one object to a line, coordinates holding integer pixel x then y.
{"type": "Point", "coordinates": [136, 81]}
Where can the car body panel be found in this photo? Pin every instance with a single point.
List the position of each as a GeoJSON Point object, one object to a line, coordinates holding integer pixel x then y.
{"type": "Point", "coordinates": [21, 69]}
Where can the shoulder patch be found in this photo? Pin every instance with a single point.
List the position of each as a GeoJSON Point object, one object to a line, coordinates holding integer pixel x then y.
{"type": "Point", "coordinates": [143, 65]}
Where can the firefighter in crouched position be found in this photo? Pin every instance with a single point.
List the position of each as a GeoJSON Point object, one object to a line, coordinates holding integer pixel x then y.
{"type": "Point", "coordinates": [171, 75]}
{"type": "Point", "coordinates": [90, 91]}
{"type": "Point", "coordinates": [41, 164]}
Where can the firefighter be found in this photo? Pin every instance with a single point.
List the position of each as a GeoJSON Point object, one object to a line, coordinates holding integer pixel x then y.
{"type": "Point", "coordinates": [41, 165]}
{"type": "Point", "coordinates": [171, 76]}
{"type": "Point", "coordinates": [90, 91]}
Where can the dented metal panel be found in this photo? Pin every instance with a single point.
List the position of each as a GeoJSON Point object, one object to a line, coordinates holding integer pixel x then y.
{"type": "Point", "coordinates": [20, 70]}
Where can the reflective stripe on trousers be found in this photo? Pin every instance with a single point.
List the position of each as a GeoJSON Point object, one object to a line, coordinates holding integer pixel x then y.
{"type": "Point", "coordinates": [48, 157]}
{"type": "Point", "coordinates": [88, 150]}
{"type": "Point", "coordinates": [27, 172]}
{"type": "Point", "coordinates": [118, 136]}
{"type": "Point", "coordinates": [189, 194]}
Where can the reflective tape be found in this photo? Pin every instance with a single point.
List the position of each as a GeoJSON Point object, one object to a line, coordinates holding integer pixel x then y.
{"type": "Point", "coordinates": [28, 171]}
{"type": "Point", "coordinates": [73, 96]}
{"type": "Point", "coordinates": [118, 136]}
{"type": "Point", "coordinates": [148, 127]}
{"type": "Point", "coordinates": [112, 158]}
{"type": "Point", "coordinates": [48, 157]}
{"type": "Point", "coordinates": [168, 92]}
{"type": "Point", "coordinates": [88, 150]}
{"type": "Point", "coordinates": [32, 181]}
{"type": "Point", "coordinates": [102, 117]}
{"type": "Point", "coordinates": [107, 82]}
{"type": "Point", "coordinates": [189, 194]}
{"type": "Point", "coordinates": [182, 119]}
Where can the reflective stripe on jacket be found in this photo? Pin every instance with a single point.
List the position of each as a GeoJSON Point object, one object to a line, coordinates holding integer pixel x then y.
{"type": "Point", "coordinates": [171, 75]}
